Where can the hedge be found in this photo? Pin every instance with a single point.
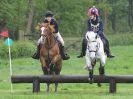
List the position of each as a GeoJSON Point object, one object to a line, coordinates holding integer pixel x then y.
{"type": "Point", "coordinates": [18, 49]}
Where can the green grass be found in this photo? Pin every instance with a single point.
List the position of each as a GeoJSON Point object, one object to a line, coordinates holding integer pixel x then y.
{"type": "Point", "coordinates": [121, 64]}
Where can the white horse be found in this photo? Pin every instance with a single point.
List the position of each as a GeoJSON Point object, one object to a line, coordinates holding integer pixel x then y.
{"type": "Point", "coordinates": [94, 51]}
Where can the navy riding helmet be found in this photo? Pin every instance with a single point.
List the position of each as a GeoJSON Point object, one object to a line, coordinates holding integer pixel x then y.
{"type": "Point", "coordinates": [49, 14]}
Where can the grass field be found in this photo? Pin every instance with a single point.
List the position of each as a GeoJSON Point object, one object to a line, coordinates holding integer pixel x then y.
{"type": "Point", "coordinates": [121, 64]}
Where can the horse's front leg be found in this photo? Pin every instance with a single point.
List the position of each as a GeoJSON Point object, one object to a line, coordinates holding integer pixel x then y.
{"type": "Point", "coordinates": [101, 72]}
{"type": "Point", "coordinates": [91, 75]}
{"type": "Point", "coordinates": [89, 68]}
{"type": "Point", "coordinates": [102, 65]}
{"type": "Point", "coordinates": [58, 64]}
{"type": "Point", "coordinates": [44, 67]}
{"type": "Point", "coordinates": [57, 71]}
{"type": "Point", "coordinates": [45, 70]}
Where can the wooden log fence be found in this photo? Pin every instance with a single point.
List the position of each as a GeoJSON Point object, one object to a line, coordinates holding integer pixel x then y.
{"type": "Point", "coordinates": [36, 80]}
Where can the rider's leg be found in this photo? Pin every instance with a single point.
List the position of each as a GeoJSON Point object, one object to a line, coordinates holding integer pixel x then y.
{"type": "Point", "coordinates": [36, 55]}
{"type": "Point", "coordinates": [83, 50]}
{"type": "Point", "coordinates": [62, 50]}
{"type": "Point", "coordinates": [106, 47]}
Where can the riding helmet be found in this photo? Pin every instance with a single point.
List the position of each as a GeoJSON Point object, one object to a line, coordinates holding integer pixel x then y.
{"type": "Point", "coordinates": [93, 11]}
{"type": "Point", "coordinates": [49, 14]}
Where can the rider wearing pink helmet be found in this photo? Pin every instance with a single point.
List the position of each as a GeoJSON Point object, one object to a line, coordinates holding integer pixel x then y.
{"type": "Point", "coordinates": [95, 24]}
{"type": "Point", "coordinates": [93, 11]}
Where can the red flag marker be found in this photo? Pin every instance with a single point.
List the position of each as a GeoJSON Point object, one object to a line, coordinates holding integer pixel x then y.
{"type": "Point", "coordinates": [4, 34]}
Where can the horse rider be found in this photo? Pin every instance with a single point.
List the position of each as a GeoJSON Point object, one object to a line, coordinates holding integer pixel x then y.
{"type": "Point", "coordinates": [50, 19]}
{"type": "Point", "coordinates": [95, 24]}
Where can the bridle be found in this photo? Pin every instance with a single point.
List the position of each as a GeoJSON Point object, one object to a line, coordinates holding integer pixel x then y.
{"type": "Point", "coordinates": [97, 46]}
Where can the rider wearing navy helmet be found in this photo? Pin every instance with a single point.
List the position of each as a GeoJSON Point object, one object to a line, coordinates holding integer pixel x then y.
{"type": "Point", "coordinates": [95, 24]}
{"type": "Point", "coordinates": [49, 19]}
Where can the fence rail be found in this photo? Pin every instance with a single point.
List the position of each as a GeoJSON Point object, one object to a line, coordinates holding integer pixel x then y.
{"type": "Point", "coordinates": [36, 80]}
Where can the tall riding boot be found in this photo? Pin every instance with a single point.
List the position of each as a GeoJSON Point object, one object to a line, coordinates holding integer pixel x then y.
{"type": "Point", "coordinates": [108, 50]}
{"type": "Point", "coordinates": [83, 50]}
{"type": "Point", "coordinates": [36, 55]}
{"type": "Point", "coordinates": [63, 54]}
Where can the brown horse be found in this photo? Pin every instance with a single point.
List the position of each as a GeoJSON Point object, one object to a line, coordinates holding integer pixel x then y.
{"type": "Point", "coordinates": [50, 57]}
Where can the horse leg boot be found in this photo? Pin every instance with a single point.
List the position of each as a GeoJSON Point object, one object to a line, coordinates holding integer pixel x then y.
{"type": "Point", "coordinates": [83, 50]}
{"type": "Point", "coordinates": [63, 54]}
{"type": "Point", "coordinates": [36, 55]}
{"type": "Point", "coordinates": [91, 76]}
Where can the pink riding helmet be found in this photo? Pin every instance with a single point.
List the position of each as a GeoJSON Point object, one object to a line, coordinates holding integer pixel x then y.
{"type": "Point", "coordinates": [93, 11]}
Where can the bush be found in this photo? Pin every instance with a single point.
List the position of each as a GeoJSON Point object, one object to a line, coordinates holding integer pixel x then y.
{"type": "Point", "coordinates": [18, 49]}
{"type": "Point", "coordinates": [121, 39]}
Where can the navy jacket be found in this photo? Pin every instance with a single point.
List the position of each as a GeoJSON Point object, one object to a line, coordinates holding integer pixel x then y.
{"type": "Point", "coordinates": [96, 26]}
{"type": "Point", "coordinates": [53, 22]}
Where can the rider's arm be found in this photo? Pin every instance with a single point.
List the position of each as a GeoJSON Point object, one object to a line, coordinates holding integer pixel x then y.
{"type": "Point", "coordinates": [88, 25]}
{"type": "Point", "coordinates": [55, 27]}
{"type": "Point", "coordinates": [101, 28]}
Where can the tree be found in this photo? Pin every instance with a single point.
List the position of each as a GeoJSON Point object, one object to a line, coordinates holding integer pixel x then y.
{"type": "Point", "coordinates": [30, 16]}
{"type": "Point", "coordinates": [130, 14]}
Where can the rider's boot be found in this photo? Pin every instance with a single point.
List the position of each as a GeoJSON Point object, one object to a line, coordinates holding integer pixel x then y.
{"type": "Point", "coordinates": [83, 50]}
{"type": "Point", "coordinates": [63, 54]}
{"type": "Point", "coordinates": [36, 55]}
{"type": "Point", "coordinates": [106, 47]}
{"type": "Point", "coordinates": [108, 52]}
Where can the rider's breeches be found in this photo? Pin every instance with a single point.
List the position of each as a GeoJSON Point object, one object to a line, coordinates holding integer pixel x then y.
{"type": "Point", "coordinates": [59, 38]}
{"type": "Point", "coordinates": [39, 41]}
{"type": "Point", "coordinates": [56, 35]}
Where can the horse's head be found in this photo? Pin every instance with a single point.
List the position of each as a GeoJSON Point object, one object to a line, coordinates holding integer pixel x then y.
{"type": "Point", "coordinates": [46, 31]}
{"type": "Point", "coordinates": [92, 43]}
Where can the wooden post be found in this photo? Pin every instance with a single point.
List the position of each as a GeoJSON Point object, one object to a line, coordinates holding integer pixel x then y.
{"type": "Point", "coordinates": [112, 87]}
{"type": "Point", "coordinates": [36, 85]}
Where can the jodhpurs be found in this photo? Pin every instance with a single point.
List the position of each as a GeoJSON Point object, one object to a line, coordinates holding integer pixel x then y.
{"type": "Point", "coordinates": [56, 35]}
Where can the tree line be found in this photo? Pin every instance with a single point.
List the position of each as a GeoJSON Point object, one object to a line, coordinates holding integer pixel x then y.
{"type": "Point", "coordinates": [21, 17]}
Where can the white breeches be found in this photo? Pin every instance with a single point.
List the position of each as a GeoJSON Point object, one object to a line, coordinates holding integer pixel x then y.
{"type": "Point", "coordinates": [59, 38]}
{"type": "Point", "coordinates": [56, 35]}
